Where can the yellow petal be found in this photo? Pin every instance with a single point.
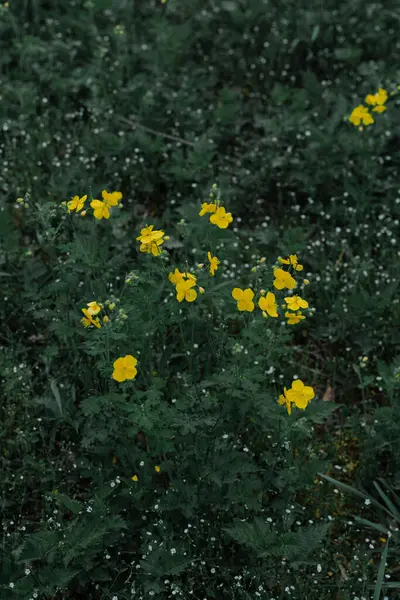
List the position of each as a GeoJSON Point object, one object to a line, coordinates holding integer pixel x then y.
{"type": "Point", "coordinates": [191, 295]}
{"type": "Point", "coordinates": [130, 361]}
{"type": "Point", "coordinates": [119, 375]}
{"type": "Point", "coordinates": [237, 294]}
{"type": "Point", "coordinates": [130, 372]}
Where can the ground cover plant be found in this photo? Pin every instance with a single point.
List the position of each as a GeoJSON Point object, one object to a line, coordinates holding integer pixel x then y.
{"type": "Point", "coordinates": [199, 219]}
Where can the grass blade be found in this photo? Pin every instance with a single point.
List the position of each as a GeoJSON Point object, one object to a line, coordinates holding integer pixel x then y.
{"type": "Point", "coordinates": [381, 572]}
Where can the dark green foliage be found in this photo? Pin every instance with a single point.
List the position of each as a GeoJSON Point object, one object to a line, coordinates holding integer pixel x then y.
{"type": "Point", "coordinates": [159, 101]}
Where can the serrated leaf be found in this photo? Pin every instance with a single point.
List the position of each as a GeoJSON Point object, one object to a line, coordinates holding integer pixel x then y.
{"type": "Point", "coordinates": [72, 505]}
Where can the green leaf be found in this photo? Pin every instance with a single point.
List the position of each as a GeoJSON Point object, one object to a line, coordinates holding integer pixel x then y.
{"type": "Point", "coordinates": [388, 502]}
{"type": "Point", "coordinates": [56, 394]}
{"type": "Point", "coordinates": [375, 526]}
{"type": "Point", "coordinates": [72, 505]}
{"type": "Point", "coordinates": [348, 53]}
{"type": "Point", "coordinates": [315, 33]}
{"type": "Point", "coordinates": [381, 572]}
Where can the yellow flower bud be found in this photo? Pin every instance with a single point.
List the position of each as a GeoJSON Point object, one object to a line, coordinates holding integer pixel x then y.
{"type": "Point", "coordinates": [83, 213]}
{"type": "Point", "coordinates": [262, 260]}
{"type": "Point", "coordinates": [306, 281]}
{"type": "Point", "coordinates": [200, 265]}
{"type": "Point", "coordinates": [264, 314]}
{"type": "Point", "coordinates": [111, 306]}
{"type": "Point", "coordinates": [157, 468]}
{"type": "Point", "coordinates": [20, 200]}
{"type": "Point", "coordinates": [262, 292]}
{"type": "Point", "coordinates": [254, 269]}
{"type": "Point", "coordinates": [105, 319]}
{"type": "Point", "coordinates": [201, 290]}
{"type": "Point", "coordinates": [135, 478]}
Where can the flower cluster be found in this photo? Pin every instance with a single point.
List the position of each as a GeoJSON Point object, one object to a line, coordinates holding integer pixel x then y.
{"type": "Point", "coordinates": [187, 289]}
{"type": "Point", "coordinates": [361, 116]}
{"type": "Point", "coordinates": [219, 216]}
{"type": "Point", "coordinates": [151, 239]}
{"type": "Point", "coordinates": [267, 301]}
{"type": "Point", "coordinates": [184, 285]}
{"type": "Point", "coordinates": [299, 395]}
{"type": "Point", "coordinates": [101, 208]}
{"type": "Point", "coordinates": [93, 308]}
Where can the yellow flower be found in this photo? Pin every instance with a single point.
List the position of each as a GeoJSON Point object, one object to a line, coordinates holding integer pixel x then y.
{"type": "Point", "coordinates": [214, 262]}
{"type": "Point", "coordinates": [300, 394]}
{"type": "Point", "coordinates": [283, 279]}
{"type": "Point", "coordinates": [76, 203]}
{"type": "Point", "coordinates": [294, 318]}
{"type": "Point", "coordinates": [100, 209]}
{"type": "Point", "coordinates": [207, 207]}
{"type": "Point", "coordinates": [221, 218]}
{"type": "Point", "coordinates": [88, 320]}
{"type": "Point", "coordinates": [135, 478]}
{"type": "Point", "coordinates": [377, 99]}
{"type": "Point", "coordinates": [157, 469]}
{"type": "Point", "coordinates": [292, 260]}
{"type": "Point", "coordinates": [360, 115]}
{"type": "Point", "coordinates": [283, 401]}
{"type": "Point", "coordinates": [244, 299]}
{"type": "Point", "coordinates": [185, 291]}
{"type": "Point", "coordinates": [176, 276]}
{"type": "Point", "coordinates": [111, 198]}
{"type": "Point", "coordinates": [295, 302]}
{"type": "Point", "coordinates": [268, 304]}
{"type": "Point", "coordinates": [151, 240]}
{"type": "Point", "coordinates": [94, 308]}
{"type": "Point", "coordinates": [125, 368]}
